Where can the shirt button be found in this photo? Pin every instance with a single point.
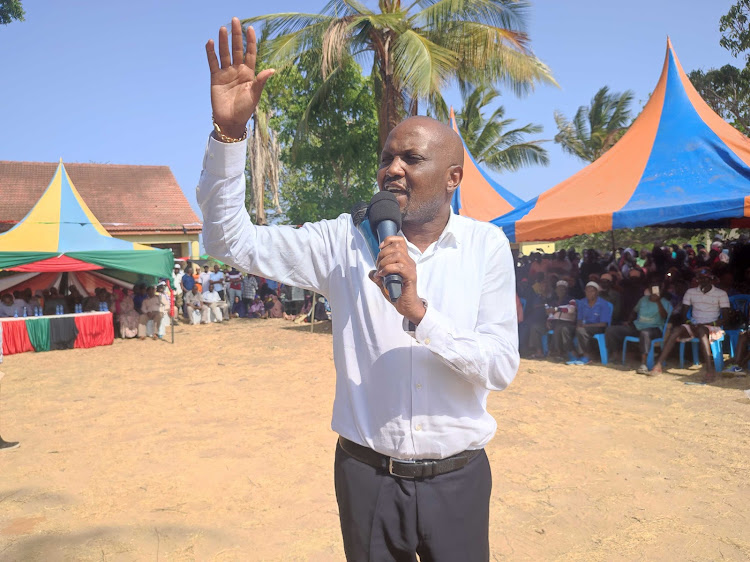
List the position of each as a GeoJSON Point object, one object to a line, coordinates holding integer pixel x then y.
{"type": "Point", "coordinates": [419, 427]}
{"type": "Point", "coordinates": [427, 341]}
{"type": "Point", "coordinates": [419, 386]}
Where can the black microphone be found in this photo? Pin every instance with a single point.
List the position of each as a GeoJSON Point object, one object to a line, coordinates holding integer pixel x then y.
{"type": "Point", "coordinates": [385, 220]}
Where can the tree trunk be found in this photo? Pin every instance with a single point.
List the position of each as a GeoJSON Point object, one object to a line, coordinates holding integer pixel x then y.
{"type": "Point", "coordinates": [391, 108]}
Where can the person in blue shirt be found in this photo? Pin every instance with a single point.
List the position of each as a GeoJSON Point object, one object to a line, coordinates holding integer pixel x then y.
{"type": "Point", "coordinates": [594, 315]}
{"type": "Point", "coordinates": [646, 323]}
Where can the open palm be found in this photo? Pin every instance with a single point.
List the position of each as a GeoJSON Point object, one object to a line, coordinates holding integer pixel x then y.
{"type": "Point", "coordinates": [235, 89]}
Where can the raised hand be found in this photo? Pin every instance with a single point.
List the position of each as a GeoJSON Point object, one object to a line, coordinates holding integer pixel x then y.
{"type": "Point", "coordinates": [235, 89]}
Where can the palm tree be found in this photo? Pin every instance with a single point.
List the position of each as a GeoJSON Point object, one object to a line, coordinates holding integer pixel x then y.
{"type": "Point", "coordinates": [415, 51]}
{"type": "Point", "coordinates": [490, 141]}
{"type": "Point", "coordinates": [595, 129]}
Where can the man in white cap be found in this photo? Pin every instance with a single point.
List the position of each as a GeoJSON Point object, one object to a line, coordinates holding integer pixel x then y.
{"type": "Point", "coordinates": [594, 315]}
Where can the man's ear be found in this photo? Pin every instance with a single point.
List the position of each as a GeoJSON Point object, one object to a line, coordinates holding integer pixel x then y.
{"type": "Point", "coordinates": [455, 175]}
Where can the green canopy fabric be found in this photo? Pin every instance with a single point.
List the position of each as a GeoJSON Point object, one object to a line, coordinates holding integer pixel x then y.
{"type": "Point", "coordinates": [38, 330]}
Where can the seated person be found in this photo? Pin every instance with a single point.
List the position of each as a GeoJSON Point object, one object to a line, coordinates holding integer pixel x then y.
{"type": "Point", "coordinates": [710, 309]}
{"type": "Point", "coordinates": [239, 310]}
{"type": "Point", "coordinates": [561, 319]}
{"type": "Point", "coordinates": [320, 313]}
{"type": "Point", "coordinates": [51, 302]}
{"type": "Point", "coordinates": [128, 318]}
{"type": "Point", "coordinates": [6, 306]}
{"type": "Point", "coordinates": [257, 309]}
{"type": "Point", "coordinates": [193, 302]}
{"type": "Point", "coordinates": [610, 294]}
{"type": "Point", "coordinates": [273, 306]}
{"type": "Point", "coordinates": [150, 311]}
{"type": "Point", "coordinates": [646, 323]}
{"type": "Point", "coordinates": [594, 314]}
{"type": "Point", "coordinates": [213, 302]}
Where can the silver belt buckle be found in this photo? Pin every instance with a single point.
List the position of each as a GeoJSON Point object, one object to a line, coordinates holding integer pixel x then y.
{"type": "Point", "coordinates": [390, 467]}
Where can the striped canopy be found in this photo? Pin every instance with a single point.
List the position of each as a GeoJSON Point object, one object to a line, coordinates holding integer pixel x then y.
{"type": "Point", "coordinates": [678, 163]}
{"type": "Point", "coordinates": [479, 196]}
{"type": "Point", "coordinates": [60, 233]}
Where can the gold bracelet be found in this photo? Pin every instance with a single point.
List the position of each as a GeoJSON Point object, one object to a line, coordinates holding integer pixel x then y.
{"type": "Point", "coordinates": [224, 138]}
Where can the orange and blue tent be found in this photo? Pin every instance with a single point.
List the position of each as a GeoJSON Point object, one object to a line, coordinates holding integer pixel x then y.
{"type": "Point", "coordinates": [479, 196]}
{"type": "Point", "coordinates": [678, 164]}
{"type": "Point", "coordinates": [61, 234]}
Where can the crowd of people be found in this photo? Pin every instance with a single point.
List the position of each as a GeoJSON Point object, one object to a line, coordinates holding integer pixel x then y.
{"type": "Point", "coordinates": [200, 296]}
{"type": "Point", "coordinates": [573, 305]}
{"type": "Point", "coordinates": [216, 295]}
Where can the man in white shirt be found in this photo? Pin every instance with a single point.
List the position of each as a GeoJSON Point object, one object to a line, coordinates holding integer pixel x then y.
{"type": "Point", "coordinates": [177, 276]}
{"type": "Point", "coordinates": [212, 302]}
{"type": "Point", "coordinates": [148, 322]}
{"type": "Point", "coordinates": [709, 307]}
{"type": "Point", "coordinates": [205, 279]}
{"type": "Point", "coordinates": [217, 279]}
{"type": "Point", "coordinates": [412, 377]}
{"type": "Point", "coordinates": [7, 307]}
{"type": "Point", "coordinates": [193, 302]}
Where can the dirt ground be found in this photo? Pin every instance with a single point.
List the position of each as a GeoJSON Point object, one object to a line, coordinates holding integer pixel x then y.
{"type": "Point", "coordinates": [219, 448]}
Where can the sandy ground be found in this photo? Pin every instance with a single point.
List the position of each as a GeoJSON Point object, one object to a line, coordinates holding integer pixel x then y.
{"type": "Point", "coordinates": [219, 448]}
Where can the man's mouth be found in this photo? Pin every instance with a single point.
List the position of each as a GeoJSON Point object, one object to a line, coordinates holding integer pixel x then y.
{"type": "Point", "coordinates": [396, 189]}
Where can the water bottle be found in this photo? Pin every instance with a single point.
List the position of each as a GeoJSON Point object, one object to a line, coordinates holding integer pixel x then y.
{"type": "Point", "coordinates": [15, 313]}
{"type": "Point", "coordinates": [25, 312]}
{"type": "Point", "coordinates": [59, 309]}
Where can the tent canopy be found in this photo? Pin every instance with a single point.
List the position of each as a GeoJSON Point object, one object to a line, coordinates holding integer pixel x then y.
{"type": "Point", "coordinates": [479, 196]}
{"type": "Point", "coordinates": [678, 163]}
{"type": "Point", "coordinates": [60, 233]}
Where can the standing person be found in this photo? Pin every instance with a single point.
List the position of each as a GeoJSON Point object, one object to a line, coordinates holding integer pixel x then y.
{"type": "Point", "coordinates": [249, 288]}
{"type": "Point", "coordinates": [205, 279]}
{"type": "Point", "coordinates": [177, 276]}
{"type": "Point", "coordinates": [234, 282]}
{"type": "Point", "coordinates": [186, 284]}
{"type": "Point", "coordinates": [412, 377]}
{"type": "Point", "coordinates": [217, 280]}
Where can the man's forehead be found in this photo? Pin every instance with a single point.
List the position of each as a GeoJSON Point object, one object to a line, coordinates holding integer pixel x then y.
{"type": "Point", "coordinates": [407, 136]}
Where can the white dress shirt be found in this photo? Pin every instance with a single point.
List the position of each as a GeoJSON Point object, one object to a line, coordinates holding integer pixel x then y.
{"type": "Point", "coordinates": [420, 397]}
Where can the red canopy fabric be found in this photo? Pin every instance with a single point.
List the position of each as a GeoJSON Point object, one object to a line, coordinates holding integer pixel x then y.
{"type": "Point", "coordinates": [59, 263]}
{"type": "Point", "coordinates": [15, 337]}
{"type": "Point", "coordinates": [94, 330]}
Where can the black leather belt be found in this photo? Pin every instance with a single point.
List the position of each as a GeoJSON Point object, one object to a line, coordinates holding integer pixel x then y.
{"type": "Point", "coordinates": [405, 468]}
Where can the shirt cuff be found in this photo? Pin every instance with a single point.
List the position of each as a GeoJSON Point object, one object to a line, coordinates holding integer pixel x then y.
{"type": "Point", "coordinates": [433, 330]}
{"type": "Point", "coordinates": [225, 159]}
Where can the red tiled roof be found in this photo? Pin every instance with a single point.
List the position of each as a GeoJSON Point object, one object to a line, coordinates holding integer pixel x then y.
{"type": "Point", "coordinates": [126, 199]}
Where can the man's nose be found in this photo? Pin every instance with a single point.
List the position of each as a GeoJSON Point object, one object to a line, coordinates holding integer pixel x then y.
{"type": "Point", "coordinates": [395, 169]}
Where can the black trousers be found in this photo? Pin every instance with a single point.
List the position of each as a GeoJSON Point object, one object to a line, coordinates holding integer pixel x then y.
{"type": "Point", "coordinates": [387, 518]}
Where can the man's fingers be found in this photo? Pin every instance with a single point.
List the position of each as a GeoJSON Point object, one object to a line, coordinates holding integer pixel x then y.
{"type": "Point", "coordinates": [226, 60]}
{"type": "Point", "coordinates": [252, 49]}
{"type": "Point", "coordinates": [260, 82]}
{"type": "Point", "coordinates": [213, 62]}
{"type": "Point", "coordinates": [379, 282]}
{"type": "Point", "coordinates": [238, 52]}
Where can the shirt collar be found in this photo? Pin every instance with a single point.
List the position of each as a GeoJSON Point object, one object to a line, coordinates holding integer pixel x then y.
{"type": "Point", "coordinates": [451, 235]}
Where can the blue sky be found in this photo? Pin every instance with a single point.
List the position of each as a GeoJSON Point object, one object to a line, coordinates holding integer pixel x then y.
{"type": "Point", "coordinates": [127, 82]}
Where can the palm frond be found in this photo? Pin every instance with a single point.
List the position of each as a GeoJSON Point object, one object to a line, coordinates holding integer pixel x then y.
{"type": "Point", "coordinates": [510, 14]}
{"type": "Point", "coordinates": [420, 65]}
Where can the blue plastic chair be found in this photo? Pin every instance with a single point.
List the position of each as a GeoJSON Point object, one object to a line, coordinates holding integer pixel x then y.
{"type": "Point", "coordinates": [716, 351]}
{"type": "Point", "coordinates": [742, 304]}
{"type": "Point", "coordinates": [652, 348]}
{"type": "Point", "coordinates": [523, 304]}
{"type": "Point", "coordinates": [598, 337]}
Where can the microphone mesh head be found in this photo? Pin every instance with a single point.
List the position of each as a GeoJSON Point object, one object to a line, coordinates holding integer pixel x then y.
{"type": "Point", "coordinates": [384, 206]}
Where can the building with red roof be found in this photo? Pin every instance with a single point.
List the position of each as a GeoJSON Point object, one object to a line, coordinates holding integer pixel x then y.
{"type": "Point", "coordinates": [142, 204]}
